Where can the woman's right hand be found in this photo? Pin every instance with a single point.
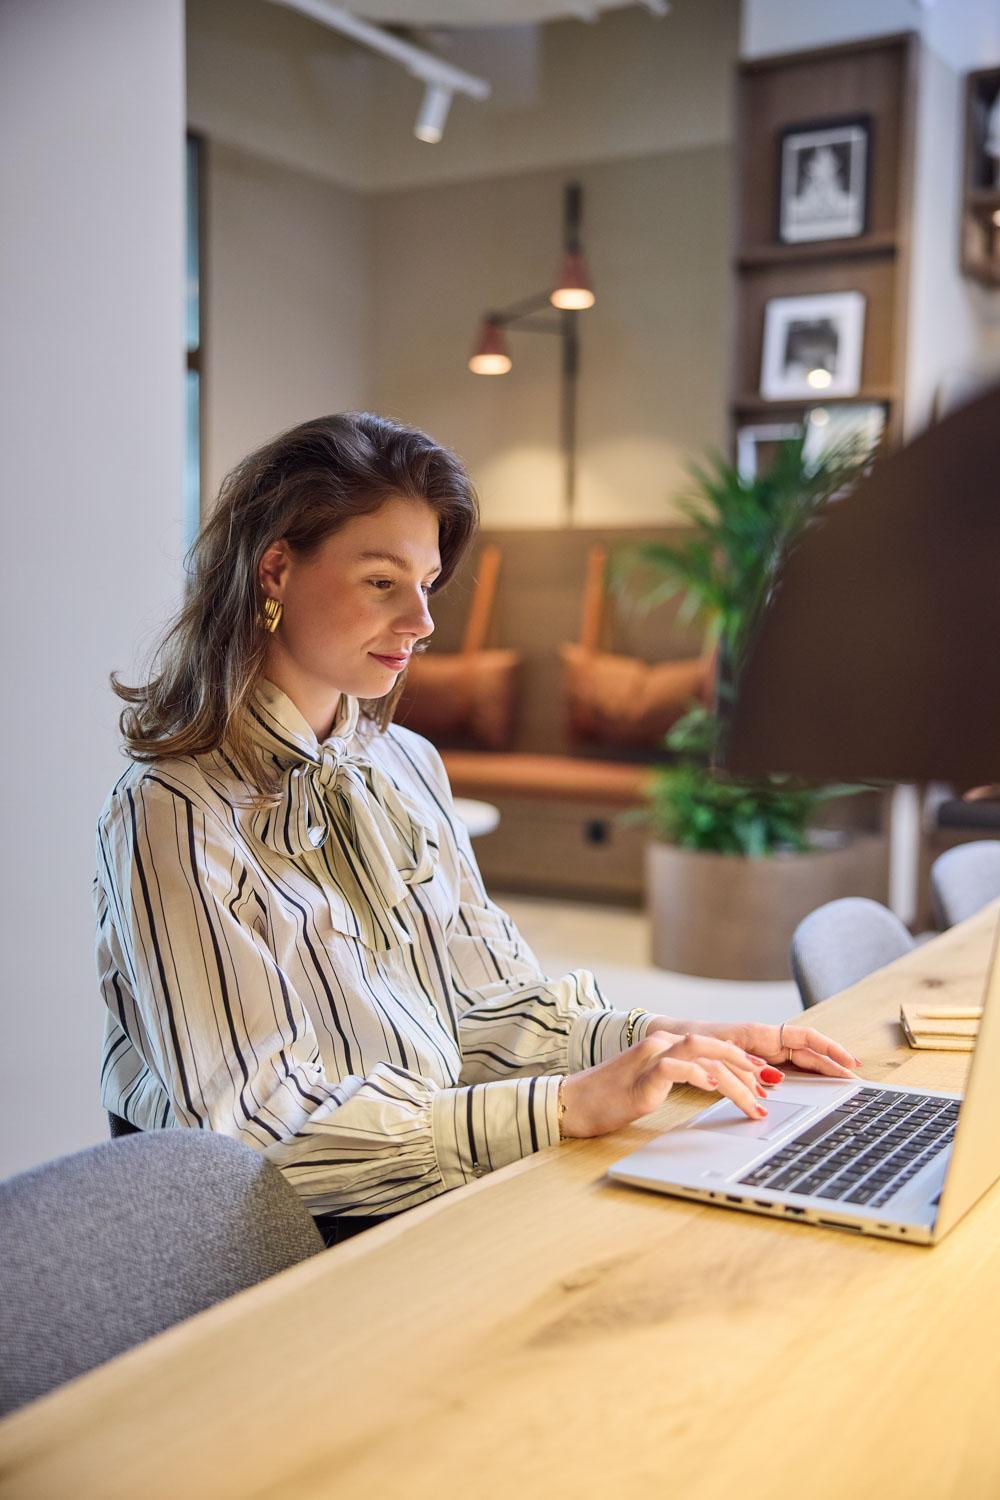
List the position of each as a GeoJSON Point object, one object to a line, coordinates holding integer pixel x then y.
{"type": "Point", "coordinates": [611, 1095]}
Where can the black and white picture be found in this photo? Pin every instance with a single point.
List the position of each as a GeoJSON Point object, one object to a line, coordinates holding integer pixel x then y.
{"type": "Point", "coordinates": [991, 139]}
{"type": "Point", "coordinates": [812, 346]}
{"type": "Point", "coordinates": [853, 430]}
{"type": "Point", "coordinates": [824, 181]}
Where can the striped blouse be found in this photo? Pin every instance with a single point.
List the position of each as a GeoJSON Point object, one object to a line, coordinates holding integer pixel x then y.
{"type": "Point", "coordinates": [324, 977]}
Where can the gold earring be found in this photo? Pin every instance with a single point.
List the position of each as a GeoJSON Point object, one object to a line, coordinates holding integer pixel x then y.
{"type": "Point", "coordinates": [273, 609]}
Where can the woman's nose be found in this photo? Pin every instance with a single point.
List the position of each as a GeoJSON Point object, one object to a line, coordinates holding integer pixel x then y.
{"type": "Point", "coordinates": [417, 620]}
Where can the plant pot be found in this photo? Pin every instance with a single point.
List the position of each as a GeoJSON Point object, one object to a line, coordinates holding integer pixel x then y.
{"type": "Point", "coordinates": [723, 916]}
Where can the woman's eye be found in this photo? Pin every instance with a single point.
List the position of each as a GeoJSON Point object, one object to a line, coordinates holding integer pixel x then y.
{"type": "Point", "coordinates": [381, 583]}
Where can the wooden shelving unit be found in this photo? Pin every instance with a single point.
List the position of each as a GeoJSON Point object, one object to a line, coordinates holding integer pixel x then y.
{"type": "Point", "coordinates": [980, 243]}
{"type": "Point", "coordinates": [874, 80]}
{"type": "Point", "coordinates": [753, 405]}
{"type": "Point", "coordinates": [790, 255]}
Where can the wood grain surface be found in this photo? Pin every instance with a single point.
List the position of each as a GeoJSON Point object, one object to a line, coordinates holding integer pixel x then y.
{"type": "Point", "coordinates": [544, 1333]}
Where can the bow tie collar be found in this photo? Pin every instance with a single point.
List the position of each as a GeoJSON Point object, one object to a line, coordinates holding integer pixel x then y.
{"type": "Point", "coordinates": [375, 839]}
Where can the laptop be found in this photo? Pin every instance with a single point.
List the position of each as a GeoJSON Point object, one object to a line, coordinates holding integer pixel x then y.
{"type": "Point", "coordinates": [873, 1158]}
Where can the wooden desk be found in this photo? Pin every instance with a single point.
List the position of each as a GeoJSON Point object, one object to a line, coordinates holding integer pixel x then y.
{"type": "Point", "coordinates": [542, 1333]}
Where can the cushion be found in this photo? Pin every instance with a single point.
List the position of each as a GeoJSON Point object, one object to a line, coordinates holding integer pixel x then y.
{"type": "Point", "coordinates": [619, 700]}
{"type": "Point", "coordinates": [467, 696]}
{"type": "Point", "coordinates": [559, 778]}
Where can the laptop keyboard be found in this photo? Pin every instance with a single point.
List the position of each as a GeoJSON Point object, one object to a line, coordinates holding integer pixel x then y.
{"type": "Point", "coordinates": [864, 1150]}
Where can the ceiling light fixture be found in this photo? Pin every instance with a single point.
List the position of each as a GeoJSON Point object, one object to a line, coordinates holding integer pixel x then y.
{"type": "Point", "coordinates": [433, 114]}
{"type": "Point", "coordinates": [442, 80]}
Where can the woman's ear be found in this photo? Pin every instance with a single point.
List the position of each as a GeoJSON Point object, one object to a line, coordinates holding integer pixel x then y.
{"type": "Point", "coordinates": [273, 570]}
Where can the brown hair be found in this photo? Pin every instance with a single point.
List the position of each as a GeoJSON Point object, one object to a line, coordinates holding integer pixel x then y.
{"type": "Point", "coordinates": [303, 485]}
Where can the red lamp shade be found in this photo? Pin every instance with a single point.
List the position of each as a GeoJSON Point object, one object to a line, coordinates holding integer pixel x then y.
{"type": "Point", "coordinates": [491, 356]}
{"type": "Point", "coordinates": [573, 291]}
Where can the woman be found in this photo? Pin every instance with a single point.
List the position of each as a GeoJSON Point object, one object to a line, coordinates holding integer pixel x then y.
{"type": "Point", "coordinates": [294, 942]}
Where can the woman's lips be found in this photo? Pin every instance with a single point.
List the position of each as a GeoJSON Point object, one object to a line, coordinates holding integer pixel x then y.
{"type": "Point", "coordinates": [397, 663]}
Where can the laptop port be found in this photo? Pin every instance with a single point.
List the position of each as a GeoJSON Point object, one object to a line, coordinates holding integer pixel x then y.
{"type": "Point", "coordinates": [731, 1199]}
{"type": "Point", "coordinates": [791, 1209]}
{"type": "Point", "coordinates": [833, 1224]}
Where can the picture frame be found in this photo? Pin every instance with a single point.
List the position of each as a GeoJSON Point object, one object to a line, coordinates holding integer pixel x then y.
{"type": "Point", "coordinates": [758, 437]}
{"type": "Point", "coordinates": [812, 346]}
{"type": "Point", "coordinates": [823, 180]}
{"type": "Point", "coordinates": [855, 425]}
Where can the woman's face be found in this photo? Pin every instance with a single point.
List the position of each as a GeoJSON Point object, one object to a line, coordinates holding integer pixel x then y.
{"type": "Point", "coordinates": [354, 609]}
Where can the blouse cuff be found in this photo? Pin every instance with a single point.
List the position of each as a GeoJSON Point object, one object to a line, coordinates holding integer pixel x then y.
{"type": "Point", "coordinates": [489, 1125]}
{"type": "Point", "coordinates": [598, 1036]}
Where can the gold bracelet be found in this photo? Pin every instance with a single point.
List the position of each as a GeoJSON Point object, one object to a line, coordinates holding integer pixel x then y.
{"type": "Point", "coordinates": [561, 1109]}
{"type": "Point", "coordinates": [630, 1020]}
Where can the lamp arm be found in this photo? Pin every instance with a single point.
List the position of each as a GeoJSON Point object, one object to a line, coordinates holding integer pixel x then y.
{"type": "Point", "coordinates": [517, 310]}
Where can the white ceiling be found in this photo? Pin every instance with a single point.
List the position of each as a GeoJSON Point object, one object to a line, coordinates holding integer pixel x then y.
{"type": "Point", "coordinates": [480, 12]}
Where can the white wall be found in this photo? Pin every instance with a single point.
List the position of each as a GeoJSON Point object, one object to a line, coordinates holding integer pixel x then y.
{"type": "Point", "coordinates": [772, 26]}
{"type": "Point", "coordinates": [91, 280]}
{"type": "Point", "coordinates": [954, 323]}
{"type": "Point", "coordinates": [288, 330]}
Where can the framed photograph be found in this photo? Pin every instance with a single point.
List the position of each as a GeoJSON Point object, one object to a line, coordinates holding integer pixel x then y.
{"type": "Point", "coordinates": [812, 346]}
{"type": "Point", "coordinates": [756, 444]}
{"type": "Point", "coordinates": [823, 181]}
{"type": "Point", "coordinates": [855, 427]}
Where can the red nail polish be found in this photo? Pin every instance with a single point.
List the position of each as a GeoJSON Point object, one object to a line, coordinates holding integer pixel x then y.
{"type": "Point", "coordinates": [761, 1111]}
{"type": "Point", "coordinates": [771, 1075]}
{"type": "Point", "coordinates": [712, 1081]}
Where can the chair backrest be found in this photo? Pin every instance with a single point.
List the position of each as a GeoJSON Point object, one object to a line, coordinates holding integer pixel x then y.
{"type": "Point", "coordinates": [842, 942]}
{"type": "Point", "coordinates": [107, 1247]}
{"type": "Point", "coordinates": [964, 880]}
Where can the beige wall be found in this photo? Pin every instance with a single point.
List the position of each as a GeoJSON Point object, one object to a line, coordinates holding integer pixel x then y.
{"type": "Point", "coordinates": [629, 85]}
{"type": "Point", "coordinates": [349, 264]}
{"type": "Point", "coordinates": [289, 89]}
{"type": "Point", "coordinates": [262, 78]}
{"type": "Point", "coordinates": [288, 333]}
{"type": "Point", "coordinates": [653, 349]}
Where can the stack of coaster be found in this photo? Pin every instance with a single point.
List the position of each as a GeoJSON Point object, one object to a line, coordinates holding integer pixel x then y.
{"type": "Point", "coordinates": [946, 1028]}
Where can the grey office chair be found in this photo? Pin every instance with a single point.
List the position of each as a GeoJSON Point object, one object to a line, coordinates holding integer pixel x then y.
{"type": "Point", "coordinates": [842, 942]}
{"type": "Point", "coordinates": [964, 880]}
{"type": "Point", "coordinates": [104, 1248]}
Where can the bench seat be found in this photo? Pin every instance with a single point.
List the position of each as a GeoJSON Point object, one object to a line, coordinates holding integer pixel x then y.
{"type": "Point", "coordinates": [476, 773]}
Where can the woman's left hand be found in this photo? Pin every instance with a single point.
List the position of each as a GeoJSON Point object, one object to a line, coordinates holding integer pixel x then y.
{"type": "Point", "coordinates": [802, 1046]}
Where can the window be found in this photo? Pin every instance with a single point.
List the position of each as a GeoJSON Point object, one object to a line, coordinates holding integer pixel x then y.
{"type": "Point", "coordinates": [193, 342]}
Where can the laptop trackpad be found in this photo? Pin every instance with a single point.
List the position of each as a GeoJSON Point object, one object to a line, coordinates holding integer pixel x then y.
{"type": "Point", "coordinates": [726, 1119]}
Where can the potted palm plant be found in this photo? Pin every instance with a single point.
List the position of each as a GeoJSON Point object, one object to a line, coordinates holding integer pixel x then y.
{"type": "Point", "coordinates": [734, 865]}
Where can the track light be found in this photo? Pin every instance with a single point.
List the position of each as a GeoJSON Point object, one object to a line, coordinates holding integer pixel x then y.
{"type": "Point", "coordinates": [433, 114]}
